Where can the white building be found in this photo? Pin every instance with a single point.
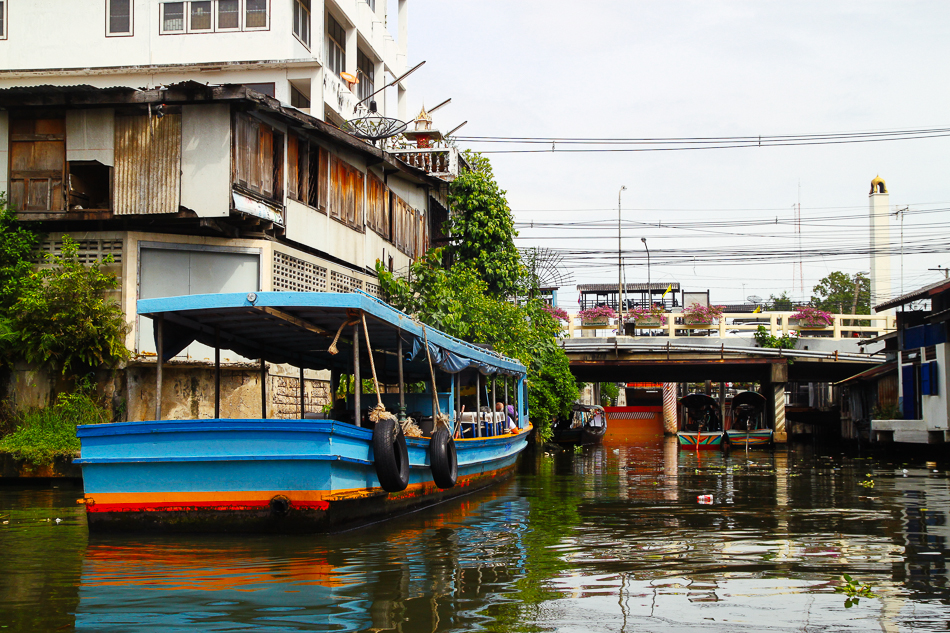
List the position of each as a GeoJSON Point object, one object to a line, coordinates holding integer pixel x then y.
{"type": "Point", "coordinates": [293, 50]}
{"type": "Point", "coordinates": [162, 146]}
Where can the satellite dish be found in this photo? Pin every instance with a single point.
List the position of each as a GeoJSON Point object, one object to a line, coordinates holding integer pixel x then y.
{"type": "Point", "coordinates": [754, 299]}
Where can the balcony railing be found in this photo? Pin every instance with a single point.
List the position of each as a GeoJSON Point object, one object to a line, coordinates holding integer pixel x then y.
{"type": "Point", "coordinates": [441, 162]}
{"type": "Point", "coordinates": [734, 325]}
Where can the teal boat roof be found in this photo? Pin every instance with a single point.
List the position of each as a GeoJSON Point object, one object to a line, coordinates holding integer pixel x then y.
{"type": "Point", "coordinates": [297, 328]}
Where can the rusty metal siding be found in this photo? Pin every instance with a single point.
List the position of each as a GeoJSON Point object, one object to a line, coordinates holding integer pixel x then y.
{"type": "Point", "coordinates": [346, 193]}
{"type": "Point", "coordinates": [147, 164]}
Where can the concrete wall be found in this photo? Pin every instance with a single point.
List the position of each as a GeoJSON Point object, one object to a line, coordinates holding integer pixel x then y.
{"type": "Point", "coordinates": [934, 408]}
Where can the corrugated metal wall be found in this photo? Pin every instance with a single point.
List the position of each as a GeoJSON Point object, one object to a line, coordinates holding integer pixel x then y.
{"type": "Point", "coordinates": [147, 164]}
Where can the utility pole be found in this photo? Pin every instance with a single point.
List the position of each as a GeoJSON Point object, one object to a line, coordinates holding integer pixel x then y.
{"type": "Point", "coordinates": [619, 257]}
{"type": "Point", "coordinates": [943, 268]}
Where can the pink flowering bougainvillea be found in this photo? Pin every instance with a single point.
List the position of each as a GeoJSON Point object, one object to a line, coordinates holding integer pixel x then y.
{"type": "Point", "coordinates": [600, 312]}
{"type": "Point", "coordinates": [557, 313]}
{"type": "Point", "coordinates": [697, 314]}
{"type": "Point", "coordinates": [638, 315]}
{"type": "Point", "coordinates": [808, 315]}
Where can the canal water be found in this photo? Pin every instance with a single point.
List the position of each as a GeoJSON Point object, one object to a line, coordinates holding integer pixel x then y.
{"type": "Point", "coordinates": [639, 537]}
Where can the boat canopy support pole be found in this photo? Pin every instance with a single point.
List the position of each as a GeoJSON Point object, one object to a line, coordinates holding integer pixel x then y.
{"type": "Point", "coordinates": [160, 349]}
{"type": "Point", "coordinates": [494, 397]}
{"type": "Point", "coordinates": [263, 389]}
{"type": "Point", "coordinates": [303, 408]}
{"type": "Point", "coordinates": [458, 400]}
{"type": "Point", "coordinates": [402, 381]}
{"type": "Point", "coordinates": [357, 382]}
{"type": "Point", "coordinates": [217, 373]}
{"type": "Point", "coordinates": [478, 403]}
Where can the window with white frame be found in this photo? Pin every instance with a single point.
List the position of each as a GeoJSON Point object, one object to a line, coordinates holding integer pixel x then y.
{"type": "Point", "coordinates": [255, 14]}
{"type": "Point", "coordinates": [372, 4]}
{"type": "Point", "coordinates": [207, 16]}
{"type": "Point", "coordinates": [302, 21]}
{"type": "Point", "coordinates": [173, 17]}
{"type": "Point", "coordinates": [228, 15]}
{"type": "Point", "coordinates": [118, 17]}
{"type": "Point", "coordinates": [200, 16]}
{"type": "Point", "coordinates": [366, 70]}
{"type": "Point", "coordinates": [336, 46]}
{"type": "Point", "coordinates": [3, 20]}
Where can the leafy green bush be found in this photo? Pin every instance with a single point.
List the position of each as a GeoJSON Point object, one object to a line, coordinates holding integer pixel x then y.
{"type": "Point", "coordinates": [44, 433]}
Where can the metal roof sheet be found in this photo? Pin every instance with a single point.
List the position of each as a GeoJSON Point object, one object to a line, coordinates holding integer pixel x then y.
{"type": "Point", "coordinates": [638, 287]}
{"type": "Point", "coordinates": [921, 293]}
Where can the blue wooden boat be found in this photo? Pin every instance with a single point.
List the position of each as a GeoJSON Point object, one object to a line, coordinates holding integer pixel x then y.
{"type": "Point", "coordinates": [303, 474]}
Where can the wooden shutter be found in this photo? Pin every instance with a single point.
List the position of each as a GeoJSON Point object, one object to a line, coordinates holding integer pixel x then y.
{"type": "Point", "coordinates": [294, 173]}
{"type": "Point", "coordinates": [147, 164]}
{"type": "Point", "coordinates": [323, 180]}
{"type": "Point", "coordinates": [37, 164]}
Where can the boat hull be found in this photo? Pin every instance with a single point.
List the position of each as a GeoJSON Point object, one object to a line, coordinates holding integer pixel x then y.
{"type": "Point", "coordinates": [700, 441]}
{"type": "Point", "coordinates": [758, 438]}
{"type": "Point", "coordinates": [281, 476]}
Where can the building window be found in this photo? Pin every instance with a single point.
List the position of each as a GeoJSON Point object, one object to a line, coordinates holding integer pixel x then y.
{"type": "Point", "coordinates": [37, 164]}
{"type": "Point", "coordinates": [307, 173]}
{"type": "Point", "coordinates": [255, 14]}
{"type": "Point", "coordinates": [366, 70]}
{"type": "Point", "coordinates": [206, 16]}
{"type": "Point", "coordinates": [336, 46]}
{"type": "Point", "coordinates": [372, 4]}
{"type": "Point", "coordinates": [173, 17]}
{"type": "Point", "coordinates": [258, 157]}
{"type": "Point", "coordinates": [199, 16]}
{"type": "Point", "coordinates": [302, 21]}
{"type": "Point", "coordinates": [346, 193]}
{"type": "Point", "coordinates": [119, 18]}
{"type": "Point", "coordinates": [3, 20]}
{"type": "Point", "coordinates": [229, 15]}
{"type": "Point", "coordinates": [298, 99]}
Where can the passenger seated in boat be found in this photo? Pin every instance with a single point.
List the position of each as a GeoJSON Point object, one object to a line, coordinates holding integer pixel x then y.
{"type": "Point", "coordinates": [510, 424]}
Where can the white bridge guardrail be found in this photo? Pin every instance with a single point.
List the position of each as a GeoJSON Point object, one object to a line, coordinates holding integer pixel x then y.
{"type": "Point", "coordinates": [737, 324]}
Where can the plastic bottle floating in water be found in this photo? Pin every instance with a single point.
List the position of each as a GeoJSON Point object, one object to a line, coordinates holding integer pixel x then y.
{"type": "Point", "coordinates": [705, 499]}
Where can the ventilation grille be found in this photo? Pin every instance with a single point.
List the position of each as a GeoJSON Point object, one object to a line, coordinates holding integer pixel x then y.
{"type": "Point", "coordinates": [90, 251]}
{"type": "Point", "coordinates": [297, 275]}
{"type": "Point", "coordinates": [373, 289]}
{"type": "Point", "coordinates": [344, 283]}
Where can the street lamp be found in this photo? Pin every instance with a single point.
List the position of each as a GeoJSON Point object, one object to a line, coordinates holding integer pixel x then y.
{"type": "Point", "coordinates": [619, 258]}
{"type": "Point", "coordinates": [649, 289]}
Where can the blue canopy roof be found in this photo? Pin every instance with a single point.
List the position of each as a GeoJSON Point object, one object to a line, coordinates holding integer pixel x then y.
{"type": "Point", "coordinates": [297, 328]}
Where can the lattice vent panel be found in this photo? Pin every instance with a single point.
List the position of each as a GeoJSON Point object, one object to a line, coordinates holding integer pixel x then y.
{"type": "Point", "coordinates": [90, 251]}
{"type": "Point", "coordinates": [296, 275]}
{"type": "Point", "coordinates": [343, 283]}
{"type": "Point", "coordinates": [373, 289]}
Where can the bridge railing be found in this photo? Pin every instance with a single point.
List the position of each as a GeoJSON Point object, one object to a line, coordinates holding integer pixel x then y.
{"type": "Point", "coordinates": [744, 324]}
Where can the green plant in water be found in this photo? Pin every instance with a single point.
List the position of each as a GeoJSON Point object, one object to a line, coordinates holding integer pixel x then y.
{"type": "Point", "coordinates": [854, 591]}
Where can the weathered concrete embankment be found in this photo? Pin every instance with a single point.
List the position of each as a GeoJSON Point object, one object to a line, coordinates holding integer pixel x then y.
{"type": "Point", "coordinates": [62, 467]}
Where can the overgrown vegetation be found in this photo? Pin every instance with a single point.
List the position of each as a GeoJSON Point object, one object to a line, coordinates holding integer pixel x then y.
{"type": "Point", "coordinates": [469, 299]}
{"type": "Point", "coordinates": [764, 338]}
{"type": "Point", "coordinates": [59, 317]}
{"type": "Point", "coordinates": [854, 591]}
{"type": "Point", "coordinates": [41, 434]}
{"type": "Point", "coordinates": [609, 392]}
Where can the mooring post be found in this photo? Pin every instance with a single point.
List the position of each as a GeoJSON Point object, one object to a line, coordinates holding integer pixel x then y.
{"type": "Point", "coordinates": [160, 350]}
{"type": "Point", "coordinates": [670, 423]}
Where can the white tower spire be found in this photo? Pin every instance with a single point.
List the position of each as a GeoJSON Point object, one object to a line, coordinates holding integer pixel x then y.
{"type": "Point", "coordinates": [880, 242]}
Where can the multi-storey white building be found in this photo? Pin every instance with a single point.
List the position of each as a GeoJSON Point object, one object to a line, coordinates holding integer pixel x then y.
{"type": "Point", "coordinates": [293, 50]}
{"type": "Point", "coordinates": [186, 144]}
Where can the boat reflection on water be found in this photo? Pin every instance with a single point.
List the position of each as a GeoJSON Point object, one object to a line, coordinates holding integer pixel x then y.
{"type": "Point", "coordinates": [444, 564]}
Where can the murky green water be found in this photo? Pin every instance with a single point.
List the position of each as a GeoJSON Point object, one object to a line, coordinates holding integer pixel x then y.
{"type": "Point", "coordinates": [613, 539]}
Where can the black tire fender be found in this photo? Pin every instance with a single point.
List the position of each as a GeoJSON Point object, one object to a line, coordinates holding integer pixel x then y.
{"type": "Point", "coordinates": [443, 459]}
{"type": "Point", "coordinates": [390, 456]}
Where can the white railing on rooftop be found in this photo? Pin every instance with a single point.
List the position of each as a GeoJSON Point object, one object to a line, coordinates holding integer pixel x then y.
{"type": "Point", "coordinates": [441, 162]}
{"type": "Point", "coordinates": [733, 325]}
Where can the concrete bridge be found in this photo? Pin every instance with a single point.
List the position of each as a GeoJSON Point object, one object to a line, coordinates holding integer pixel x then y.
{"type": "Point", "coordinates": [726, 352]}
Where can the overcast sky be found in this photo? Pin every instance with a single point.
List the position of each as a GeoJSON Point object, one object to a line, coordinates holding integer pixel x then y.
{"type": "Point", "coordinates": [699, 69]}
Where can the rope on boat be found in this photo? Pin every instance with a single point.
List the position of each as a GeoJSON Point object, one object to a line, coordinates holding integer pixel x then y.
{"type": "Point", "coordinates": [333, 349]}
{"type": "Point", "coordinates": [379, 412]}
{"type": "Point", "coordinates": [438, 417]}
